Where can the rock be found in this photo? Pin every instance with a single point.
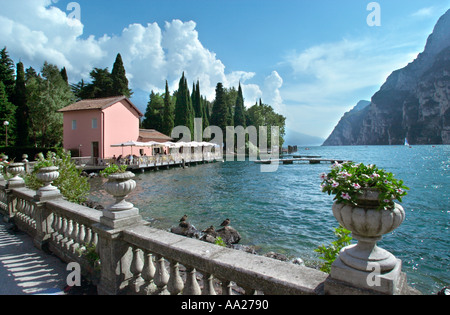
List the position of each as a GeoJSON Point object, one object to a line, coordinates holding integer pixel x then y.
{"type": "Point", "coordinates": [186, 229]}
{"type": "Point", "coordinates": [298, 261]}
{"type": "Point", "coordinates": [208, 238]}
{"type": "Point", "coordinates": [229, 235]}
{"type": "Point", "coordinates": [210, 231]}
{"type": "Point", "coordinates": [412, 103]}
{"type": "Point", "coordinates": [245, 248]}
{"type": "Point", "coordinates": [277, 256]}
{"type": "Point", "coordinates": [93, 205]}
{"type": "Point", "coordinates": [444, 291]}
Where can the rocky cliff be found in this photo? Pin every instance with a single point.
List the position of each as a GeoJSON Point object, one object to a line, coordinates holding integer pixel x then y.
{"type": "Point", "coordinates": [413, 103]}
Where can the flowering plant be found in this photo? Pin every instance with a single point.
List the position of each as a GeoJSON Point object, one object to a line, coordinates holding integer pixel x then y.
{"type": "Point", "coordinates": [349, 180]}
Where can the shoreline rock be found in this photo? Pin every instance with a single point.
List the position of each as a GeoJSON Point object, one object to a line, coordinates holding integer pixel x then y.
{"type": "Point", "coordinates": [230, 237]}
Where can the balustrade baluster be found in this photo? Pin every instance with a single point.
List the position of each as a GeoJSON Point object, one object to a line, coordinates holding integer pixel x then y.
{"type": "Point", "coordinates": [88, 236]}
{"type": "Point", "coordinates": [208, 284]}
{"type": "Point", "coordinates": [54, 226]}
{"type": "Point", "coordinates": [148, 274]}
{"type": "Point", "coordinates": [59, 228]}
{"type": "Point", "coordinates": [161, 275]}
{"type": "Point", "coordinates": [192, 287]}
{"type": "Point", "coordinates": [175, 285]}
{"type": "Point", "coordinates": [136, 269]}
{"type": "Point", "coordinates": [81, 236]}
{"type": "Point", "coordinates": [74, 237]}
{"type": "Point", "coordinates": [64, 229]}
{"type": "Point", "coordinates": [227, 287]}
{"type": "Point", "coordinates": [68, 234]}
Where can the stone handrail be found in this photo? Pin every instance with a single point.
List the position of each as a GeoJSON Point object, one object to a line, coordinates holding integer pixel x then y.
{"type": "Point", "coordinates": [249, 272]}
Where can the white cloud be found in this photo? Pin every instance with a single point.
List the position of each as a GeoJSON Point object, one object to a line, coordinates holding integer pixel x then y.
{"type": "Point", "coordinates": [272, 95]}
{"type": "Point", "coordinates": [34, 32]}
{"type": "Point", "coordinates": [327, 77]}
{"type": "Point", "coordinates": [424, 12]}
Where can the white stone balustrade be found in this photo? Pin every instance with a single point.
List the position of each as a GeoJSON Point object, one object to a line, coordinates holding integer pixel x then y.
{"type": "Point", "coordinates": [138, 259]}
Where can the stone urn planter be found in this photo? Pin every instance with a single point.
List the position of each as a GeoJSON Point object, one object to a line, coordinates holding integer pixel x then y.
{"type": "Point", "coordinates": [120, 185]}
{"type": "Point", "coordinates": [368, 224]}
{"type": "Point", "coordinates": [121, 213]}
{"type": "Point", "coordinates": [48, 175]}
{"type": "Point", "coordinates": [15, 169]}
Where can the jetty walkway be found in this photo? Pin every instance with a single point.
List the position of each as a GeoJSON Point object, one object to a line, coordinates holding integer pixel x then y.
{"type": "Point", "coordinates": [310, 160]}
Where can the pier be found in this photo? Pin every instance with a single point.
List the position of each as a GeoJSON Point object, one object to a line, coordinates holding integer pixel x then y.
{"type": "Point", "coordinates": [310, 160]}
{"type": "Point", "coordinates": [156, 162]}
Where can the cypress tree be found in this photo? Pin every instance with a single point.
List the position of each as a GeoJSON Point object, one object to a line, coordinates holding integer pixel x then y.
{"type": "Point", "coordinates": [196, 100]}
{"type": "Point", "coordinates": [239, 110]}
{"type": "Point", "coordinates": [220, 110]}
{"type": "Point", "coordinates": [119, 79]}
{"type": "Point", "coordinates": [7, 73]}
{"type": "Point", "coordinates": [167, 113]}
{"type": "Point", "coordinates": [184, 115]}
{"type": "Point", "coordinates": [22, 111]}
{"type": "Point", "coordinates": [64, 75]}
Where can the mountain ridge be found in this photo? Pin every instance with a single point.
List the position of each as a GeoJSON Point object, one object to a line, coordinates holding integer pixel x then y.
{"type": "Point", "coordinates": [412, 103]}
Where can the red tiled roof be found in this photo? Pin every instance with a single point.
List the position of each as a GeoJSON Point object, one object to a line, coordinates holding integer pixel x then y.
{"type": "Point", "coordinates": [98, 103]}
{"type": "Point", "coordinates": [147, 135]}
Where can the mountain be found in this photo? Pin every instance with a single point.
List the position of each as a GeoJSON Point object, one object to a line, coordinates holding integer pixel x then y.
{"type": "Point", "coordinates": [412, 103]}
{"type": "Point", "coordinates": [349, 126]}
{"type": "Point", "coordinates": [301, 139]}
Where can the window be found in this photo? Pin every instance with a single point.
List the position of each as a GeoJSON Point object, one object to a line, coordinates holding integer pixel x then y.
{"type": "Point", "coordinates": [74, 125]}
{"type": "Point", "coordinates": [94, 123]}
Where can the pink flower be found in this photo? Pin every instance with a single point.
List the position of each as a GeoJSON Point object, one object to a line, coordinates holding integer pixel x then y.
{"type": "Point", "coordinates": [356, 186]}
{"type": "Point", "coordinates": [375, 175]}
{"type": "Point", "coordinates": [336, 165]}
{"type": "Point", "coordinates": [400, 191]}
{"type": "Point", "coordinates": [323, 176]}
{"type": "Point", "coordinates": [345, 174]}
{"type": "Point", "coordinates": [334, 184]}
{"type": "Point", "coordinates": [346, 196]}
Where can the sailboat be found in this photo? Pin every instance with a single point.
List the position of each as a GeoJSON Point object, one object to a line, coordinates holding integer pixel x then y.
{"type": "Point", "coordinates": [407, 143]}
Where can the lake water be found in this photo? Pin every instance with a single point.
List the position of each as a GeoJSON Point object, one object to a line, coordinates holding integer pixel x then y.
{"type": "Point", "coordinates": [286, 212]}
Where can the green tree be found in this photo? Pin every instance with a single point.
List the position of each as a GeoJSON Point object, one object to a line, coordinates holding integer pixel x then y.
{"type": "Point", "coordinates": [7, 73]}
{"type": "Point", "coordinates": [47, 94]}
{"type": "Point", "coordinates": [197, 100]}
{"type": "Point", "coordinates": [64, 75]}
{"type": "Point", "coordinates": [220, 110]}
{"type": "Point", "coordinates": [239, 110]}
{"type": "Point", "coordinates": [155, 113]}
{"type": "Point", "coordinates": [119, 79]}
{"type": "Point", "coordinates": [7, 113]}
{"type": "Point", "coordinates": [168, 113]}
{"type": "Point", "coordinates": [78, 89]}
{"type": "Point", "coordinates": [101, 86]}
{"type": "Point", "coordinates": [260, 115]}
{"type": "Point", "coordinates": [22, 112]}
{"type": "Point", "coordinates": [184, 113]}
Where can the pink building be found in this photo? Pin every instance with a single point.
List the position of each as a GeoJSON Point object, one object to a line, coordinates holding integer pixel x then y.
{"type": "Point", "coordinates": [92, 126]}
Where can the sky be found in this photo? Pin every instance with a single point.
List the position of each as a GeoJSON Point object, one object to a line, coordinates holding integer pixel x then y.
{"type": "Point", "coordinates": [311, 60]}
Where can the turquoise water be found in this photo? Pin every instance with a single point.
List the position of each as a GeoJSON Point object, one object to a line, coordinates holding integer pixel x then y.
{"type": "Point", "coordinates": [285, 211]}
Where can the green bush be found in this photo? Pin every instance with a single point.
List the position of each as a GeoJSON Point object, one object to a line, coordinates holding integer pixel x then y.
{"type": "Point", "coordinates": [112, 169]}
{"type": "Point", "coordinates": [329, 254]}
{"type": "Point", "coordinates": [72, 185]}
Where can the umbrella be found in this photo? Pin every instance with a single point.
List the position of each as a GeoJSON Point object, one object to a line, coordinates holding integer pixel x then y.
{"type": "Point", "coordinates": [129, 144]}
